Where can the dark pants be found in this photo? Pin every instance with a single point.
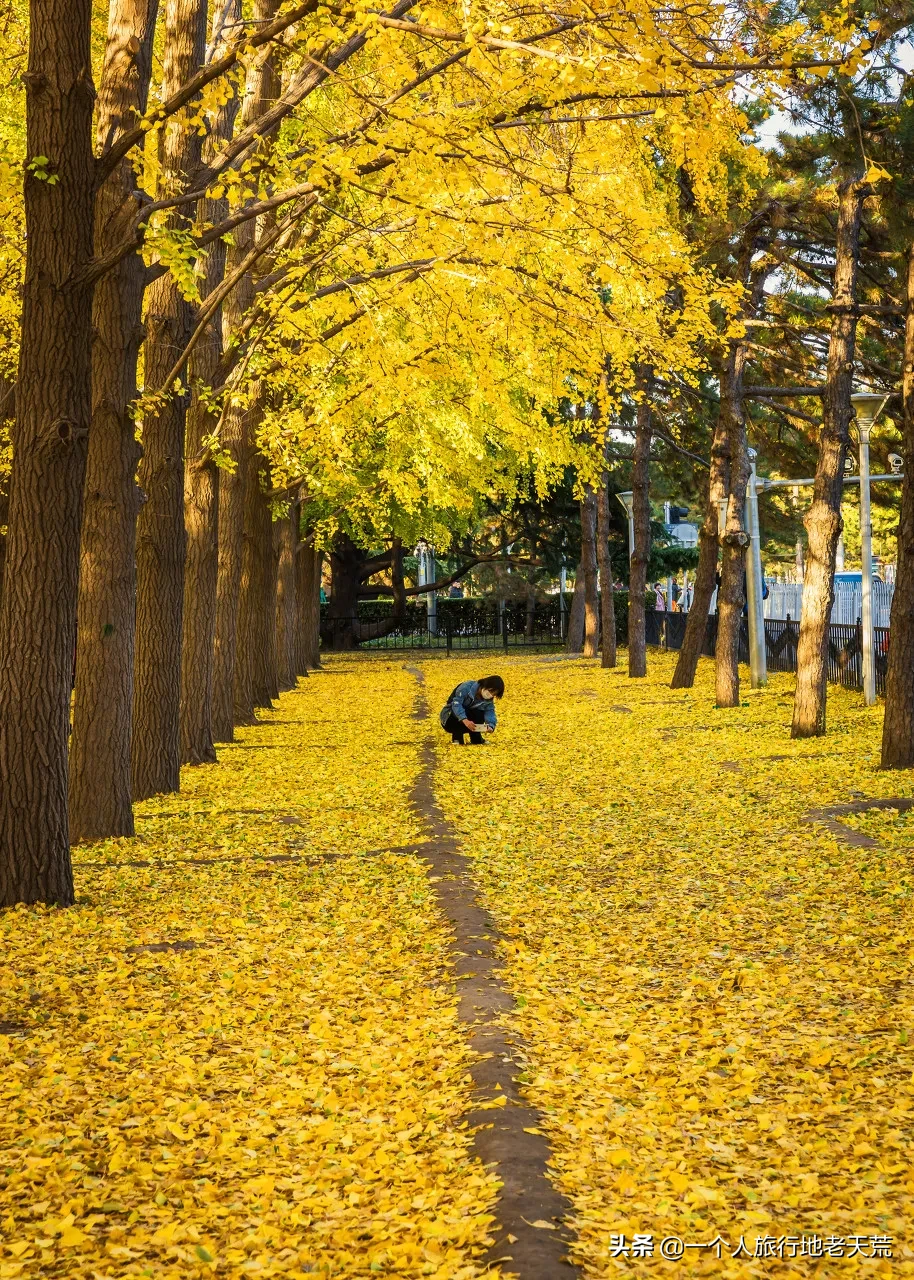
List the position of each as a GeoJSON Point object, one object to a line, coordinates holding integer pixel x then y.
{"type": "Point", "coordinates": [457, 729]}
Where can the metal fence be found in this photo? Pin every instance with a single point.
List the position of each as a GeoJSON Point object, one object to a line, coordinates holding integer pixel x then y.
{"type": "Point", "coordinates": [506, 630]}
{"type": "Point", "coordinates": [845, 645]}
{"type": "Point", "coordinates": [516, 628]}
{"type": "Point", "coordinates": [785, 600]}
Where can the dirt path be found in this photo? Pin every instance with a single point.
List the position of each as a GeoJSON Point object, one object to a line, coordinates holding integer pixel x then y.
{"type": "Point", "coordinates": [530, 1237]}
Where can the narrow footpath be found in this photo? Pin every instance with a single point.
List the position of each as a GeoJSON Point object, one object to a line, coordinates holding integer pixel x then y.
{"type": "Point", "coordinates": [530, 1234]}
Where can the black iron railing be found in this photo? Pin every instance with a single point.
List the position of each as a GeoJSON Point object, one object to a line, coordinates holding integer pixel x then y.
{"type": "Point", "coordinates": [845, 645]}
{"type": "Point", "coordinates": [482, 629]}
{"type": "Point", "coordinates": [516, 627]}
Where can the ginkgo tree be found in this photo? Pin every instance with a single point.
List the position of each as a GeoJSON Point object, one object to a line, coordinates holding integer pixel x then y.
{"type": "Point", "coordinates": [295, 183]}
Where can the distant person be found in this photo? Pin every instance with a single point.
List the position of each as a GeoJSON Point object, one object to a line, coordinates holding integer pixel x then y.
{"type": "Point", "coordinates": [659, 602]}
{"type": "Point", "coordinates": [470, 709]}
{"type": "Point", "coordinates": [456, 593]}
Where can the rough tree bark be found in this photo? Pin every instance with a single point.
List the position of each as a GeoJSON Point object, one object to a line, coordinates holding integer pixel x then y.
{"type": "Point", "coordinates": [308, 599]}
{"type": "Point", "coordinates": [201, 567]}
{"type": "Point", "coordinates": [284, 532]}
{"type": "Point", "coordinates": [233, 689]}
{"type": "Point", "coordinates": [589, 563]}
{"type": "Point", "coordinates": [53, 411]}
{"type": "Point", "coordinates": [237, 440]}
{"type": "Point", "coordinates": [718, 479]}
{"type": "Point", "coordinates": [100, 748]}
{"type": "Point", "coordinates": [574, 641]}
{"type": "Point", "coordinates": [252, 682]}
{"type": "Point", "coordinates": [641, 519]}
{"type": "Point", "coordinates": [607, 605]}
{"type": "Point", "coordinates": [7, 413]}
{"type": "Point", "coordinates": [735, 539]}
{"type": "Point", "coordinates": [266, 683]}
{"type": "Point", "coordinates": [4, 516]}
{"type": "Point", "coordinates": [299, 658]}
{"type": "Point", "coordinates": [161, 536]}
{"type": "Point", "coordinates": [201, 474]}
{"type": "Point", "coordinates": [898, 724]}
{"type": "Point", "coordinates": [823, 519]}
{"type": "Point", "coordinates": [346, 564]}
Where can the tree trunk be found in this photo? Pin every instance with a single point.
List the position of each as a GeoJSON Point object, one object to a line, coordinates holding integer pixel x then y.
{"type": "Point", "coordinates": [161, 535]}
{"type": "Point", "coordinates": [6, 422]}
{"type": "Point", "coordinates": [346, 561]}
{"type": "Point", "coordinates": [161, 547]}
{"type": "Point", "coordinates": [201, 569]}
{"type": "Point", "coordinates": [589, 563]}
{"type": "Point", "coordinates": [735, 540]}
{"type": "Point", "coordinates": [308, 600]}
{"type": "Point", "coordinates": [100, 749]}
{"type": "Point", "coordinates": [4, 517]}
{"type": "Point", "coordinates": [233, 685]}
{"type": "Point", "coordinates": [706, 573]}
{"type": "Point", "coordinates": [730, 597]}
{"type": "Point", "coordinates": [202, 477]}
{"type": "Point", "coordinates": [284, 533]}
{"type": "Point", "coordinates": [299, 646]}
{"type": "Point", "coordinates": [266, 684]}
{"type": "Point", "coordinates": [53, 411]}
{"type": "Point", "coordinates": [236, 438]}
{"type": "Point", "coordinates": [574, 641]}
{"type": "Point", "coordinates": [607, 605]}
{"type": "Point", "coordinates": [255, 659]}
{"type": "Point", "coordinates": [823, 520]}
{"type": "Point", "coordinates": [641, 519]}
{"type": "Point", "coordinates": [898, 724]}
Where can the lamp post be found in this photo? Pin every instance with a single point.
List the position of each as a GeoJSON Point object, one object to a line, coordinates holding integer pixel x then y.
{"type": "Point", "coordinates": [627, 500]}
{"type": "Point", "coordinates": [755, 587]}
{"type": "Point", "coordinates": [426, 575]}
{"type": "Point", "coordinates": [867, 405]}
{"type": "Point", "coordinates": [431, 573]}
{"type": "Point", "coordinates": [563, 587]}
{"type": "Point", "coordinates": [669, 580]}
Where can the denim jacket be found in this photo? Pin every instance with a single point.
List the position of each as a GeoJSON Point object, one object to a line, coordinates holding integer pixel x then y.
{"type": "Point", "coordinates": [466, 698]}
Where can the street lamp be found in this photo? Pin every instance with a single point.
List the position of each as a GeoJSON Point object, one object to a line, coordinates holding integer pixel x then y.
{"type": "Point", "coordinates": [867, 405]}
{"type": "Point", "coordinates": [627, 500]}
{"type": "Point", "coordinates": [755, 586]}
{"type": "Point", "coordinates": [426, 574]}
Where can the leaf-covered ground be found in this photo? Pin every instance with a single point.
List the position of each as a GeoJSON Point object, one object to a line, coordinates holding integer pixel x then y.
{"type": "Point", "coordinates": [717, 995]}
{"type": "Point", "coordinates": [239, 1053]}
{"type": "Point", "coordinates": [284, 1096]}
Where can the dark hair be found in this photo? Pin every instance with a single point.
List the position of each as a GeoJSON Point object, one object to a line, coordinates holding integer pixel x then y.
{"type": "Point", "coordinates": [494, 684]}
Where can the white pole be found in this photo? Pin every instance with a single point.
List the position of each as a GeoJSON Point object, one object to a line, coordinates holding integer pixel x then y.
{"type": "Point", "coordinates": [867, 406]}
{"type": "Point", "coordinates": [758, 666]}
{"type": "Point", "coordinates": [866, 557]}
{"type": "Point", "coordinates": [627, 500]}
{"type": "Point", "coordinates": [669, 580]}
{"type": "Point", "coordinates": [431, 598]}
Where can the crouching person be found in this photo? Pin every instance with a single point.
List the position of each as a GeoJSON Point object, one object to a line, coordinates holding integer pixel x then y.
{"type": "Point", "coordinates": [471, 709]}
